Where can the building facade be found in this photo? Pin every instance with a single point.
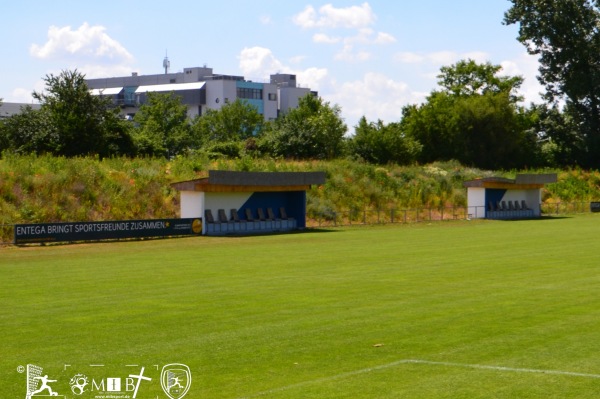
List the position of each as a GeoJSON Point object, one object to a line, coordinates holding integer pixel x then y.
{"type": "Point", "coordinates": [9, 109]}
{"type": "Point", "coordinates": [201, 90]}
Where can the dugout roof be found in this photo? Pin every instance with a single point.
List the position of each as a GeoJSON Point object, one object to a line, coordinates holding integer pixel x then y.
{"type": "Point", "coordinates": [522, 181]}
{"type": "Point", "coordinates": [223, 181]}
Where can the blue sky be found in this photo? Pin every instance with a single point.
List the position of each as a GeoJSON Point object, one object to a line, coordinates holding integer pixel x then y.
{"type": "Point", "coordinates": [369, 57]}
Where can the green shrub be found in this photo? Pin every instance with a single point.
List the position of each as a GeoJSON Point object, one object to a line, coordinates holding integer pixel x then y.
{"type": "Point", "coordinates": [574, 185]}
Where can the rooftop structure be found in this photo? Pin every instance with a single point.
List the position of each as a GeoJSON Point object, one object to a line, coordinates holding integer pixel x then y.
{"type": "Point", "coordinates": [9, 109]}
{"type": "Point", "coordinates": [201, 89]}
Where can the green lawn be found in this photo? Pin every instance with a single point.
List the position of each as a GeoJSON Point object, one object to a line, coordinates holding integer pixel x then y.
{"type": "Point", "coordinates": [466, 309]}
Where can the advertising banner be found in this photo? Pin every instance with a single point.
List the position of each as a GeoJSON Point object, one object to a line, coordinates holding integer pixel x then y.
{"type": "Point", "coordinates": [108, 230]}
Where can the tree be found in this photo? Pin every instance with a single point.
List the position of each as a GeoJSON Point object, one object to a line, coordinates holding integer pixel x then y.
{"type": "Point", "coordinates": [313, 130]}
{"type": "Point", "coordinates": [494, 133]}
{"type": "Point", "coordinates": [163, 127]}
{"type": "Point", "coordinates": [30, 131]}
{"type": "Point", "coordinates": [468, 78]}
{"type": "Point", "coordinates": [433, 124]}
{"type": "Point", "coordinates": [379, 143]}
{"type": "Point", "coordinates": [474, 118]}
{"type": "Point", "coordinates": [566, 36]}
{"type": "Point", "coordinates": [561, 143]}
{"type": "Point", "coordinates": [235, 121]}
{"type": "Point", "coordinates": [85, 124]}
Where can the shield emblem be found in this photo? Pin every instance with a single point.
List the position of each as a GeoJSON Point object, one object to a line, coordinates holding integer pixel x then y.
{"type": "Point", "coordinates": [176, 380]}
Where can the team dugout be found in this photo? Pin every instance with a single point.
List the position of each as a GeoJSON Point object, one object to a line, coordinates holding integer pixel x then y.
{"type": "Point", "coordinates": [501, 198]}
{"type": "Point", "coordinates": [248, 202]}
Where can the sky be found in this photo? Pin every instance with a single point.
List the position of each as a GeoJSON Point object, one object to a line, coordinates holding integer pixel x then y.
{"type": "Point", "coordinates": [371, 58]}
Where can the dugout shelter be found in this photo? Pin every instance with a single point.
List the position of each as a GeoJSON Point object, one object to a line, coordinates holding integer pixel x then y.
{"type": "Point", "coordinates": [502, 198]}
{"type": "Point", "coordinates": [231, 202]}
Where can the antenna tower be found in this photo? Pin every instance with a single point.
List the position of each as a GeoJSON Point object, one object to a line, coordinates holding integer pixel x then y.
{"type": "Point", "coordinates": [166, 63]}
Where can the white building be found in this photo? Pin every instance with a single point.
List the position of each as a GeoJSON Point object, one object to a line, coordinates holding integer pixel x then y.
{"type": "Point", "coordinates": [200, 90]}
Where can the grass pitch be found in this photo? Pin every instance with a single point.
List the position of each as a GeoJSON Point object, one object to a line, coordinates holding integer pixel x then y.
{"type": "Point", "coordinates": [462, 309]}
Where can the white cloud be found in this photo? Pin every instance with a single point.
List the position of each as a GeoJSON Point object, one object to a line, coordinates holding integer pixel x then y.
{"type": "Point", "coordinates": [375, 96]}
{"type": "Point", "coordinates": [368, 36]}
{"type": "Point", "coordinates": [359, 18]}
{"type": "Point", "coordinates": [312, 78]}
{"type": "Point", "coordinates": [350, 17]}
{"type": "Point", "coordinates": [510, 68]}
{"type": "Point", "coordinates": [88, 49]}
{"type": "Point", "coordinates": [384, 38]}
{"type": "Point", "coordinates": [297, 59]}
{"type": "Point", "coordinates": [439, 58]}
{"type": "Point", "coordinates": [307, 18]}
{"type": "Point", "coordinates": [364, 36]}
{"type": "Point", "coordinates": [22, 95]}
{"type": "Point", "coordinates": [92, 71]}
{"type": "Point", "coordinates": [443, 57]}
{"type": "Point", "coordinates": [330, 17]}
{"type": "Point", "coordinates": [326, 39]}
{"type": "Point", "coordinates": [526, 66]}
{"type": "Point", "coordinates": [409, 58]}
{"type": "Point", "coordinates": [87, 42]}
{"type": "Point", "coordinates": [477, 56]}
{"type": "Point", "coordinates": [349, 55]}
{"type": "Point", "coordinates": [265, 20]}
{"type": "Point", "coordinates": [260, 62]}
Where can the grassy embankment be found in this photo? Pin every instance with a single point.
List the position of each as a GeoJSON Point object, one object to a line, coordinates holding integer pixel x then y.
{"type": "Point", "coordinates": [52, 189]}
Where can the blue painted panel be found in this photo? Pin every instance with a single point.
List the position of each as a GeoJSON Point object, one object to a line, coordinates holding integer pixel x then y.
{"type": "Point", "coordinates": [259, 104]}
{"type": "Point", "coordinates": [493, 195]}
{"type": "Point", "coordinates": [255, 102]}
{"type": "Point", "coordinates": [294, 203]}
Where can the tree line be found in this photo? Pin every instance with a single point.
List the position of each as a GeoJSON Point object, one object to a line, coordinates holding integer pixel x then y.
{"type": "Point", "coordinates": [474, 116]}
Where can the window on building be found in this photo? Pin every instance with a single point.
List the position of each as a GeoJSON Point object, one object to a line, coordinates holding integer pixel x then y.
{"type": "Point", "coordinates": [272, 96]}
{"type": "Point", "coordinates": [249, 94]}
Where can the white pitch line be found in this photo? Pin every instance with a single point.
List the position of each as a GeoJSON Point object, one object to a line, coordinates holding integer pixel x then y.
{"type": "Point", "coordinates": [326, 379]}
{"type": "Point", "coordinates": [420, 361]}
{"type": "Point", "coordinates": [502, 368]}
